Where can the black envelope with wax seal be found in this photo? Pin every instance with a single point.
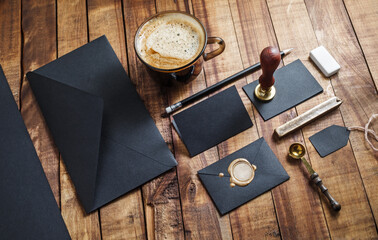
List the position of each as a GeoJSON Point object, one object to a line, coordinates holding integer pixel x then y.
{"type": "Point", "coordinates": [107, 139]}
{"type": "Point", "coordinates": [242, 176]}
{"type": "Point", "coordinates": [212, 121]}
{"type": "Point", "coordinates": [28, 209]}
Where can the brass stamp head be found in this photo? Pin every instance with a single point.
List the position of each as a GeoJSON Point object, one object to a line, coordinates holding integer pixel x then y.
{"type": "Point", "coordinates": [241, 171]}
{"type": "Point", "coordinates": [265, 95]}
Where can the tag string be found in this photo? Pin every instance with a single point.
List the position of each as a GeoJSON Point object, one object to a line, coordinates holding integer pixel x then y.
{"type": "Point", "coordinates": [367, 130]}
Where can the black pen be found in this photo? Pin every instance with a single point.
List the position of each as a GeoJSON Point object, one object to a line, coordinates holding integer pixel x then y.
{"type": "Point", "coordinates": [206, 91]}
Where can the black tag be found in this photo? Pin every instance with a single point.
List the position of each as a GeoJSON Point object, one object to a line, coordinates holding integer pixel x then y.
{"type": "Point", "coordinates": [330, 139]}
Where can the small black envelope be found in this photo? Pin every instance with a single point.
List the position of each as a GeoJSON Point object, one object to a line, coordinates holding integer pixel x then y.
{"type": "Point", "coordinates": [269, 173]}
{"type": "Point", "coordinates": [107, 139]}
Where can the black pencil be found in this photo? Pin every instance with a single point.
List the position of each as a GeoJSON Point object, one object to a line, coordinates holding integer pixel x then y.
{"type": "Point", "coordinates": [206, 91]}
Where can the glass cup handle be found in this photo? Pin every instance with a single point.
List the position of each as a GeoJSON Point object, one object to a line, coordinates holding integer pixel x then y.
{"type": "Point", "coordinates": [216, 52]}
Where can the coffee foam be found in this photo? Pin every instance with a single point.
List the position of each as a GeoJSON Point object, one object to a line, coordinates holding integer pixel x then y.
{"type": "Point", "coordinates": [170, 40]}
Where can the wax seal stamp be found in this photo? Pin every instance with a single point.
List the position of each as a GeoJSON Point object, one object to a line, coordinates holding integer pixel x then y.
{"type": "Point", "coordinates": [298, 151]}
{"type": "Point", "coordinates": [241, 171]}
{"type": "Point", "coordinates": [270, 58]}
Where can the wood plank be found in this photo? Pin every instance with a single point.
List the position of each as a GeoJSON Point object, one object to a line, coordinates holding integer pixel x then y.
{"type": "Point", "coordinates": [261, 210]}
{"type": "Point", "coordinates": [258, 217]}
{"type": "Point", "coordinates": [206, 223]}
{"type": "Point", "coordinates": [201, 219]}
{"type": "Point", "coordinates": [355, 84]}
{"type": "Point", "coordinates": [39, 31]}
{"type": "Point", "coordinates": [10, 44]}
{"type": "Point", "coordinates": [72, 25]}
{"type": "Point", "coordinates": [298, 208]}
{"type": "Point", "coordinates": [124, 217]}
{"type": "Point", "coordinates": [298, 32]}
{"type": "Point", "coordinates": [364, 17]}
{"type": "Point", "coordinates": [72, 33]}
{"type": "Point", "coordinates": [180, 5]}
{"type": "Point", "coordinates": [106, 18]}
{"type": "Point", "coordinates": [234, 64]}
{"type": "Point", "coordinates": [161, 195]}
{"type": "Point", "coordinates": [195, 226]}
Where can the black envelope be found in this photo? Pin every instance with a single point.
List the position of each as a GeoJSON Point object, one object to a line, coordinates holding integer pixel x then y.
{"type": "Point", "coordinates": [294, 85]}
{"type": "Point", "coordinates": [269, 173]}
{"type": "Point", "coordinates": [107, 139]}
{"type": "Point", "coordinates": [28, 208]}
{"type": "Point", "coordinates": [212, 121]}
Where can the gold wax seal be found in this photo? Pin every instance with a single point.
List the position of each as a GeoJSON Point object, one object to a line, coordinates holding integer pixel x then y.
{"type": "Point", "coordinates": [241, 171]}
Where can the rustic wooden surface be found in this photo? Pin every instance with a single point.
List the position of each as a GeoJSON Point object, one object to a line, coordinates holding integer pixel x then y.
{"type": "Point", "coordinates": [176, 205]}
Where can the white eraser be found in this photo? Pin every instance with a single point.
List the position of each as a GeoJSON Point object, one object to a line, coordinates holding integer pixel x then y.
{"type": "Point", "coordinates": [323, 59]}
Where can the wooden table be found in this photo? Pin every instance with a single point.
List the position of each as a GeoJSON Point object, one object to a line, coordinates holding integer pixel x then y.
{"type": "Point", "coordinates": [176, 205]}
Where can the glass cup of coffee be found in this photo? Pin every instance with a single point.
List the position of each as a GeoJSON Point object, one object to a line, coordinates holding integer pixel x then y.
{"type": "Point", "coordinates": [172, 45]}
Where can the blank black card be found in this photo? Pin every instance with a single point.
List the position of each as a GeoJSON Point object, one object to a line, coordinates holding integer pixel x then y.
{"type": "Point", "coordinates": [294, 85]}
{"type": "Point", "coordinates": [212, 121]}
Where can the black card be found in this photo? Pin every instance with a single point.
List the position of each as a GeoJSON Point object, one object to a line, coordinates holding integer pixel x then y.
{"type": "Point", "coordinates": [107, 139]}
{"type": "Point", "coordinates": [269, 173]}
{"type": "Point", "coordinates": [28, 208]}
{"type": "Point", "coordinates": [212, 121]}
{"type": "Point", "coordinates": [294, 84]}
{"type": "Point", "coordinates": [330, 139]}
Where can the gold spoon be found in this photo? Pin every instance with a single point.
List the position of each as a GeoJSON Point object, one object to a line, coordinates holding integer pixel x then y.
{"type": "Point", "coordinates": [297, 151]}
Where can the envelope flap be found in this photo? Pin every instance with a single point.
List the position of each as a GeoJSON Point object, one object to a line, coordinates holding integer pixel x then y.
{"type": "Point", "coordinates": [122, 174]}
{"type": "Point", "coordinates": [267, 162]}
{"type": "Point", "coordinates": [74, 118]}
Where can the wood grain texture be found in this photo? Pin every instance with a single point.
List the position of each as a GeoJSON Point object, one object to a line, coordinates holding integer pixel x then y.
{"type": "Point", "coordinates": [72, 25]}
{"type": "Point", "coordinates": [124, 217]}
{"type": "Point", "coordinates": [72, 33]}
{"type": "Point", "coordinates": [258, 217]}
{"type": "Point", "coordinates": [201, 219]}
{"type": "Point", "coordinates": [261, 210]}
{"type": "Point", "coordinates": [105, 17]}
{"type": "Point", "coordinates": [355, 84]}
{"type": "Point", "coordinates": [298, 208]}
{"type": "Point", "coordinates": [39, 48]}
{"type": "Point", "coordinates": [287, 16]}
{"type": "Point", "coordinates": [10, 44]}
{"type": "Point", "coordinates": [364, 18]}
{"type": "Point", "coordinates": [176, 205]}
{"type": "Point", "coordinates": [160, 196]}
{"type": "Point", "coordinates": [180, 5]}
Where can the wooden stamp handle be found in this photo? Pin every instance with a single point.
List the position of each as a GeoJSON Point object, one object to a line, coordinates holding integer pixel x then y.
{"type": "Point", "coordinates": [316, 179]}
{"type": "Point", "coordinates": [270, 58]}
